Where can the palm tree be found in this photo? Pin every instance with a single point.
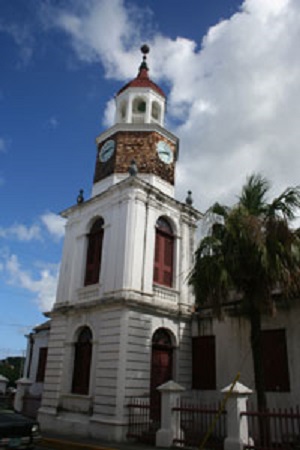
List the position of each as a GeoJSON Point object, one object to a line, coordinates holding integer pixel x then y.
{"type": "Point", "coordinates": [253, 253]}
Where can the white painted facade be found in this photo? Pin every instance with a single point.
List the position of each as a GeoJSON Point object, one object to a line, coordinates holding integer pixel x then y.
{"type": "Point", "coordinates": [233, 352]}
{"type": "Point", "coordinates": [36, 340]}
{"type": "Point", "coordinates": [123, 310]}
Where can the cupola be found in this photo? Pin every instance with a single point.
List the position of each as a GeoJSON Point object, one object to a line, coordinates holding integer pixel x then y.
{"type": "Point", "coordinates": [137, 144]}
{"type": "Point", "coordinates": [141, 100]}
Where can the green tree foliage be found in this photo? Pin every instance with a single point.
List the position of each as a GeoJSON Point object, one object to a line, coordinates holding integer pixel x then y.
{"type": "Point", "coordinates": [11, 368]}
{"type": "Point", "coordinates": [251, 252]}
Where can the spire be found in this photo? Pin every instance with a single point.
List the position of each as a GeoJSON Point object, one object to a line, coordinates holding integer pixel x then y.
{"type": "Point", "coordinates": [145, 50]}
{"type": "Point", "coordinates": [142, 79]}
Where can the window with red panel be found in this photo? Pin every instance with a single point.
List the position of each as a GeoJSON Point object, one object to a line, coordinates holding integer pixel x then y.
{"type": "Point", "coordinates": [94, 252]}
{"type": "Point", "coordinates": [41, 369]}
{"type": "Point", "coordinates": [275, 360]}
{"type": "Point", "coordinates": [82, 362]}
{"type": "Point", "coordinates": [204, 362]}
{"type": "Point", "coordinates": [164, 253]}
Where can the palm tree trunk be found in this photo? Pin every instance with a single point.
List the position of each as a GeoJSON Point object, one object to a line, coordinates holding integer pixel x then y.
{"type": "Point", "coordinates": [257, 356]}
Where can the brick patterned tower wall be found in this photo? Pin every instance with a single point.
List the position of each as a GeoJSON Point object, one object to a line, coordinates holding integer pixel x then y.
{"type": "Point", "coordinates": [140, 146]}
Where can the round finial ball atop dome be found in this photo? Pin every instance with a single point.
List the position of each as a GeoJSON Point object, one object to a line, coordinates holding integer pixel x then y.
{"type": "Point", "coordinates": [145, 49]}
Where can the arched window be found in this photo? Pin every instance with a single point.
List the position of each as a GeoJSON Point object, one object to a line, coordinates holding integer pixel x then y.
{"type": "Point", "coordinates": [139, 105]}
{"type": "Point", "coordinates": [94, 251]}
{"type": "Point", "coordinates": [156, 111]}
{"type": "Point", "coordinates": [138, 110]}
{"type": "Point", "coordinates": [82, 362]}
{"type": "Point", "coordinates": [164, 253]}
{"type": "Point", "coordinates": [161, 368]}
{"type": "Point", "coordinates": [123, 111]}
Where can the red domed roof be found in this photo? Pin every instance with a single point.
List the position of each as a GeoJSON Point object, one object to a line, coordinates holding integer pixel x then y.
{"type": "Point", "coordinates": [142, 81]}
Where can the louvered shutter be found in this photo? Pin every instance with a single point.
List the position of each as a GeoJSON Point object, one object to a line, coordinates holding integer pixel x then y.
{"type": "Point", "coordinates": [275, 361]}
{"type": "Point", "coordinates": [93, 260]}
{"type": "Point", "coordinates": [204, 363]}
{"type": "Point", "coordinates": [164, 254]}
{"type": "Point", "coordinates": [40, 374]}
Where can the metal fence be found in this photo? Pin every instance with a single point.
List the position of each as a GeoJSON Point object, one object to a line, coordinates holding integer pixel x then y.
{"type": "Point", "coordinates": [277, 429]}
{"type": "Point", "coordinates": [143, 421]}
{"type": "Point", "coordinates": [201, 424]}
{"type": "Point", "coordinates": [7, 401]}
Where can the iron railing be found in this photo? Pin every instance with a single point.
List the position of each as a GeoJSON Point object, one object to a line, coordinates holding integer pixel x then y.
{"type": "Point", "coordinates": [277, 429]}
{"type": "Point", "coordinates": [143, 420]}
{"type": "Point", "coordinates": [200, 424]}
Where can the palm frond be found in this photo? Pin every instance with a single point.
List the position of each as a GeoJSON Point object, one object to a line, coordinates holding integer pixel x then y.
{"type": "Point", "coordinates": [286, 204]}
{"type": "Point", "coordinates": [219, 210]}
{"type": "Point", "coordinates": [253, 194]}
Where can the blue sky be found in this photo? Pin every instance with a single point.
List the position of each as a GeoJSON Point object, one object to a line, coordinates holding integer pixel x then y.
{"type": "Point", "coordinates": [230, 68]}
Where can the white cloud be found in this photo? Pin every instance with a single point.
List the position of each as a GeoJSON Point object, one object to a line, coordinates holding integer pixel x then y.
{"type": "Point", "coordinates": [55, 224]}
{"type": "Point", "coordinates": [109, 113]}
{"type": "Point", "coordinates": [21, 232]}
{"type": "Point", "coordinates": [236, 97]}
{"type": "Point", "coordinates": [44, 287]}
{"type": "Point", "coordinates": [101, 31]}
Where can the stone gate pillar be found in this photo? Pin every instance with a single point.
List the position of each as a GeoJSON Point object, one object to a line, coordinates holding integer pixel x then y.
{"type": "Point", "coordinates": [237, 426]}
{"type": "Point", "coordinates": [23, 385]}
{"type": "Point", "coordinates": [170, 420]}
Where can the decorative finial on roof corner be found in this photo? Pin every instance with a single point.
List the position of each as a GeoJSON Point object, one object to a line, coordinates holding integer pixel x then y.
{"type": "Point", "coordinates": [145, 49]}
{"type": "Point", "coordinates": [80, 198]}
{"type": "Point", "coordinates": [133, 169]}
{"type": "Point", "coordinates": [189, 199]}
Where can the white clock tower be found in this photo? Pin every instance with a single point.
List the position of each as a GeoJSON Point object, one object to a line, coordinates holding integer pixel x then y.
{"type": "Point", "coordinates": [121, 322]}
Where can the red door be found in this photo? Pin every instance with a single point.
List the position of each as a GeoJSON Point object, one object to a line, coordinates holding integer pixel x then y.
{"type": "Point", "coordinates": [161, 368]}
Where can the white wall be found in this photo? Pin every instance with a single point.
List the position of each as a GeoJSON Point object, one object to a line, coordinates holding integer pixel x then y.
{"type": "Point", "coordinates": [233, 353]}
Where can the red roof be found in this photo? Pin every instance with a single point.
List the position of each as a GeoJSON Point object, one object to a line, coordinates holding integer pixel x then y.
{"type": "Point", "coordinates": [142, 81]}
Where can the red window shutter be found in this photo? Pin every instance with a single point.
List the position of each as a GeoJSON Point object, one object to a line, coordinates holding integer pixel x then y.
{"type": "Point", "coordinates": [82, 363]}
{"type": "Point", "coordinates": [168, 261]}
{"type": "Point", "coordinates": [40, 374]}
{"type": "Point", "coordinates": [157, 257]}
{"type": "Point", "coordinates": [93, 260]}
{"type": "Point", "coordinates": [163, 260]}
{"type": "Point", "coordinates": [204, 363]}
{"type": "Point", "coordinates": [275, 361]}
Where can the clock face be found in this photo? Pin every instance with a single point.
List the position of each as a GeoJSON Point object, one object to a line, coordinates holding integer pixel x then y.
{"type": "Point", "coordinates": [164, 152]}
{"type": "Point", "coordinates": [107, 150]}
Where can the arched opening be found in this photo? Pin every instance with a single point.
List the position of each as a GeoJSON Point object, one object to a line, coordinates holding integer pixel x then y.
{"type": "Point", "coordinates": [123, 111]}
{"type": "Point", "coordinates": [82, 362]}
{"type": "Point", "coordinates": [161, 368]}
{"type": "Point", "coordinates": [164, 253]}
{"type": "Point", "coordinates": [138, 110]}
{"type": "Point", "coordinates": [94, 253]}
{"type": "Point", "coordinates": [156, 111]}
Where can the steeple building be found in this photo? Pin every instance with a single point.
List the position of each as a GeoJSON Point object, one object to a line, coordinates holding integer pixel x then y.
{"type": "Point", "coordinates": [120, 326]}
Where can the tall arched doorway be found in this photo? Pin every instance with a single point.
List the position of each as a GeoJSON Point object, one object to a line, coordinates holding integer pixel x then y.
{"type": "Point", "coordinates": [161, 368]}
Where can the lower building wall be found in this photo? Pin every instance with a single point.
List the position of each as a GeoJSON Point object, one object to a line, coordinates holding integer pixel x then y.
{"type": "Point", "coordinates": [120, 369]}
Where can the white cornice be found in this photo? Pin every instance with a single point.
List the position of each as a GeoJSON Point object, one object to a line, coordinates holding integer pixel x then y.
{"type": "Point", "coordinates": [135, 182]}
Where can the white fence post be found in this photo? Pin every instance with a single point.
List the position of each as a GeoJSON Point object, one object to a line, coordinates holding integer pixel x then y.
{"type": "Point", "coordinates": [237, 426]}
{"type": "Point", "coordinates": [23, 385]}
{"type": "Point", "coordinates": [3, 384]}
{"type": "Point", "coordinates": [170, 420]}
